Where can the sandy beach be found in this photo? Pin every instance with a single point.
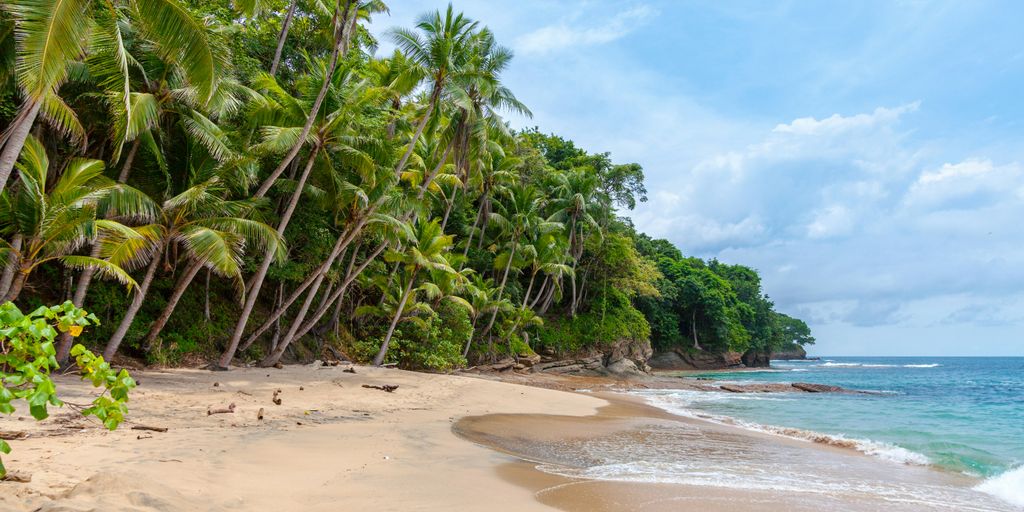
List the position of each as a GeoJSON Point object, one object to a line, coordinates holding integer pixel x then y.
{"type": "Point", "coordinates": [438, 442]}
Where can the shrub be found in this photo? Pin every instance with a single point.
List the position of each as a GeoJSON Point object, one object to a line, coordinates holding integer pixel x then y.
{"type": "Point", "coordinates": [28, 355]}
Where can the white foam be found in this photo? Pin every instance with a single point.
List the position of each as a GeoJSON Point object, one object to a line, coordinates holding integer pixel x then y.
{"type": "Point", "coordinates": [933, 365]}
{"type": "Point", "coordinates": [677, 403]}
{"type": "Point", "coordinates": [1008, 486]}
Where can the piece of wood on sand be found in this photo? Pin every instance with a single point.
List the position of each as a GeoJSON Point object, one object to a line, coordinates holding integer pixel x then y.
{"type": "Point", "coordinates": [226, 410]}
{"type": "Point", "coordinates": [149, 428]}
{"type": "Point", "coordinates": [390, 388]}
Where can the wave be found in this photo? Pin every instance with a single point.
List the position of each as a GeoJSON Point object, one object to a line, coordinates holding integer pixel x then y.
{"type": "Point", "coordinates": [1008, 486]}
{"type": "Point", "coordinates": [884, 451]}
{"type": "Point", "coordinates": [871, 365]}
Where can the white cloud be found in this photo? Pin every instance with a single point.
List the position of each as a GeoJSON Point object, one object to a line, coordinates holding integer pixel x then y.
{"type": "Point", "coordinates": [836, 123]}
{"type": "Point", "coordinates": [570, 33]}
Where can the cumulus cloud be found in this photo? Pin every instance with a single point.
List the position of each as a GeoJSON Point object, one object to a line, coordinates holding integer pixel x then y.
{"type": "Point", "coordinates": [855, 225]}
{"type": "Point", "coordinates": [575, 33]}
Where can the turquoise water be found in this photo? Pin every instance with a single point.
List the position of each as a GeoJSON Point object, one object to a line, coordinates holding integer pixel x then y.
{"type": "Point", "coordinates": [961, 414]}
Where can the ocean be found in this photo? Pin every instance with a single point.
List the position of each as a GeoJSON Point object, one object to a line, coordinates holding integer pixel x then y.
{"type": "Point", "coordinates": [954, 415]}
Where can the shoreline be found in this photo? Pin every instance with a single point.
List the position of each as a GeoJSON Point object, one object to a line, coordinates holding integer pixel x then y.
{"type": "Point", "coordinates": [332, 439]}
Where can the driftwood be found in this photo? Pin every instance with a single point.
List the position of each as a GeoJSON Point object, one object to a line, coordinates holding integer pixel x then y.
{"type": "Point", "coordinates": [8, 435]}
{"type": "Point", "coordinates": [151, 429]}
{"type": "Point", "coordinates": [275, 399]}
{"type": "Point", "coordinates": [13, 476]}
{"type": "Point", "coordinates": [350, 369]}
{"type": "Point", "coordinates": [389, 365]}
{"type": "Point", "coordinates": [229, 409]}
{"type": "Point", "coordinates": [390, 388]}
{"type": "Point", "coordinates": [259, 415]}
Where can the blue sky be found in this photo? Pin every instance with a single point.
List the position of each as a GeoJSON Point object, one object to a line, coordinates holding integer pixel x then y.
{"type": "Point", "coordinates": [864, 156]}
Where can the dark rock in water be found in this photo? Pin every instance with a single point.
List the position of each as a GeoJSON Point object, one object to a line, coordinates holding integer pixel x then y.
{"type": "Point", "coordinates": [732, 389]}
{"type": "Point", "coordinates": [818, 388]}
{"type": "Point", "coordinates": [680, 359]}
{"type": "Point", "coordinates": [756, 359]}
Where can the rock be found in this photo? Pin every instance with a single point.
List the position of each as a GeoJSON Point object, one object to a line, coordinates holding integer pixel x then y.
{"type": "Point", "coordinates": [732, 389]}
{"type": "Point", "coordinates": [683, 359]}
{"type": "Point", "coordinates": [817, 388]}
{"type": "Point", "coordinates": [624, 367]}
{"type": "Point", "coordinates": [756, 359]}
{"type": "Point", "coordinates": [638, 352]}
{"type": "Point", "coordinates": [529, 360]}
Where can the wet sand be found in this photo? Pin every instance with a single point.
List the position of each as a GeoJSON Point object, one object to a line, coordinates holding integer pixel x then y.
{"type": "Point", "coordinates": [835, 478]}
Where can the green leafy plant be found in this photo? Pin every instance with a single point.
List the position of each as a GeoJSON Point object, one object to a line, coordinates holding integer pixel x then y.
{"type": "Point", "coordinates": [28, 355]}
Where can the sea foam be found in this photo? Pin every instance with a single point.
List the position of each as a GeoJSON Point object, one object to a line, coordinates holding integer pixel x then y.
{"type": "Point", "coordinates": [1008, 486]}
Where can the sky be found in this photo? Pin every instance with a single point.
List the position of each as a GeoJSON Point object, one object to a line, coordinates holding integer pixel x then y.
{"type": "Point", "coordinates": [864, 156]}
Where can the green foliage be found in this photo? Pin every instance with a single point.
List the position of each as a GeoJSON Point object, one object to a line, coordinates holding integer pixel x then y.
{"type": "Point", "coordinates": [611, 319]}
{"type": "Point", "coordinates": [27, 356]}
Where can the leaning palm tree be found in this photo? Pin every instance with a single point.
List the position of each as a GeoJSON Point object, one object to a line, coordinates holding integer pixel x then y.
{"type": "Point", "coordinates": [56, 221]}
{"type": "Point", "coordinates": [53, 35]}
{"type": "Point", "coordinates": [426, 251]}
{"type": "Point", "coordinates": [212, 232]}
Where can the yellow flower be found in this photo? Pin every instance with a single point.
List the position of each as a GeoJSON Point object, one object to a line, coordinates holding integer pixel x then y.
{"type": "Point", "coordinates": [76, 330]}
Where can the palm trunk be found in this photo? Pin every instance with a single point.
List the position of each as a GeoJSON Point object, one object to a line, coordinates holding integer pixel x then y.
{"type": "Point", "coordinates": [275, 355]}
{"type": "Point", "coordinates": [261, 273]}
{"type": "Point", "coordinates": [172, 302]}
{"type": "Point", "coordinates": [20, 128]}
{"type": "Point", "coordinates": [340, 35]}
{"type": "Point", "coordinates": [206, 297]}
{"type": "Point", "coordinates": [277, 323]}
{"type": "Point", "coordinates": [437, 169]}
{"type": "Point", "coordinates": [472, 231]}
{"type": "Point", "coordinates": [12, 266]}
{"type": "Point", "coordinates": [379, 360]}
{"type": "Point", "coordinates": [448, 209]}
{"type": "Point", "coordinates": [81, 289]}
{"type": "Point", "coordinates": [501, 288]}
{"type": "Point", "coordinates": [693, 328]}
{"type": "Point", "coordinates": [540, 292]}
{"type": "Point", "coordinates": [20, 277]}
{"type": "Point", "coordinates": [472, 333]}
{"type": "Point", "coordinates": [126, 169]}
{"type": "Point", "coordinates": [529, 288]}
{"type": "Point", "coordinates": [572, 278]}
{"type": "Point", "coordinates": [133, 308]}
{"type": "Point", "coordinates": [281, 309]}
{"type": "Point", "coordinates": [434, 96]}
{"type": "Point", "coordinates": [282, 37]}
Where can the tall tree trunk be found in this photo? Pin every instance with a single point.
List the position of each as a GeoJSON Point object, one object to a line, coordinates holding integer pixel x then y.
{"type": "Point", "coordinates": [448, 209]}
{"type": "Point", "coordinates": [379, 360]}
{"type": "Point", "coordinates": [437, 169]}
{"type": "Point", "coordinates": [20, 278]}
{"type": "Point", "coordinates": [277, 323]}
{"type": "Point", "coordinates": [540, 291]}
{"type": "Point", "coordinates": [340, 43]}
{"type": "Point", "coordinates": [501, 288]}
{"type": "Point", "coordinates": [472, 333]}
{"type": "Point", "coordinates": [572, 279]}
{"type": "Point", "coordinates": [472, 231]}
{"type": "Point", "coordinates": [275, 356]}
{"type": "Point", "coordinates": [434, 97]}
{"type": "Point", "coordinates": [282, 37]}
{"type": "Point", "coordinates": [81, 289]}
{"type": "Point", "coordinates": [133, 308]}
{"type": "Point", "coordinates": [19, 130]}
{"type": "Point", "coordinates": [126, 169]}
{"type": "Point", "coordinates": [268, 259]}
{"type": "Point", "coordinates": [172, 302]}
{"type": "Point", "coordinates": [12, 266]}
{"type": "Point", "coordinates": [206, 297]}
{"type": "Point", "coordinates": [693, 328]}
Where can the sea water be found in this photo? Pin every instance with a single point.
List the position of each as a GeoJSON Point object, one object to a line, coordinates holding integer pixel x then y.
{"type": "Point", "coordinates": [963, 415]}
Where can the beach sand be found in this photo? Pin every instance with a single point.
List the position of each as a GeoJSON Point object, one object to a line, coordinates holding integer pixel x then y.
{"type": "Point", "coordinates": [438, 442]}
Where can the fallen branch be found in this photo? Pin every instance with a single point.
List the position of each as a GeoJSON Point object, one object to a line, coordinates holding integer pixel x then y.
{"type": "Point", "coordinates": [8, 435]}
{"type": "Point", "coordinates": [229, 409]}
{"type": "Point", "coordinates": [151, 429]}
{"type": "Point", "coordinates": [390, 388]}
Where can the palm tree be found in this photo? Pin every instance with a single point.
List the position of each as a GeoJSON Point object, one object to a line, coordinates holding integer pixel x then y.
{"type": "Point", "coordinates": [442, 51]}
{"type": "Point", "coordinates": [52, 35]}
{"type": "Point", "coordinates": [576, 206]}
{"type": "Point", "coordinates": [426, 250]}
{"type": "Point", "coordinates": [55, 221]}
{"type": "Point", "coordinates": [517, 215]}
{"type": "Point", "coordinates": [212, 233]}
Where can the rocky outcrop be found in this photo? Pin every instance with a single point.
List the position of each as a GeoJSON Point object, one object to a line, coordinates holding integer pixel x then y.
{"type": "Point", "coordinates": [795, 352]}
{"type": "Point", "coordinates": [817, 388]}
{"type": "Point", "coordinates": [686, 360]}
{"type": "Point", "coordinates": [625, 358]}
{"type": "Point", "coordinates": [756, 359]}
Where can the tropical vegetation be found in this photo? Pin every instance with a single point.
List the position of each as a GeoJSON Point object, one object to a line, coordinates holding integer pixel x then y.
{"type": "Point", "coordinates": [251, 181]}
